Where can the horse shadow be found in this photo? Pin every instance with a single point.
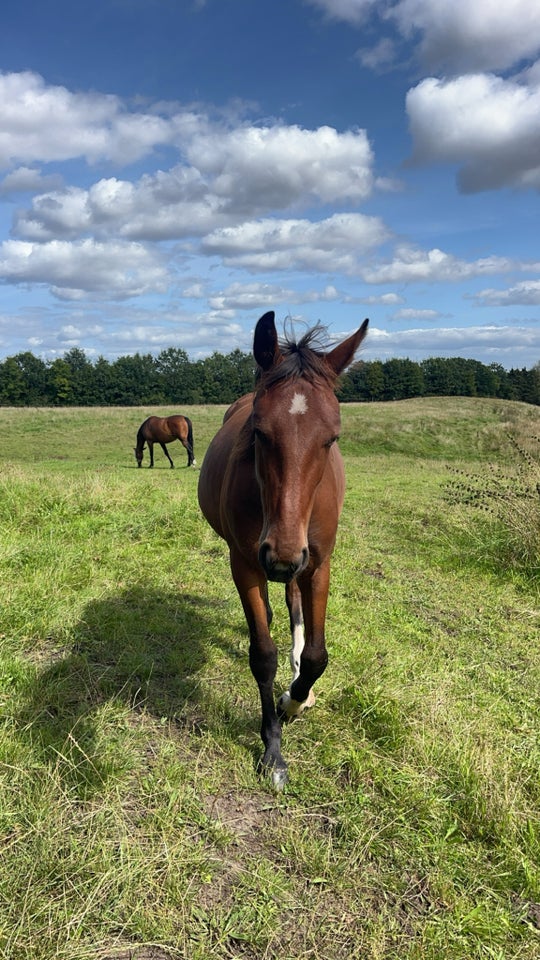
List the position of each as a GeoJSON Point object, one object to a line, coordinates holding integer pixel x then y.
{"type": "Point", "coordinates": [142, 649]}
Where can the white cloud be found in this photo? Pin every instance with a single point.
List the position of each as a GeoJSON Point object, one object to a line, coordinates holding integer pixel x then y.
{"type": "Point", "coordinates": [460, 36]}
{"type": "Point", "coordinates": [41, 123]}
{"type": "Point", "coordinates": [275, 166]}
{"type": "Point", "coordinates": [454, 36]}
{"type": "Point", "coordinates": [114, 270]}
{"type": "Point", "coordinates": [379, 56]}
{"type": "Point", "coordinates": [243, 173]}
{"type": "Point", "coordinates": [255, 296]}
{"type": "Point", "coordinates": [411, 264]}
{"type": "Point", "coordinates": [526, 293]}
{"type": "Point", "coordinates": [488, 125]}
{"type": "Point", "coordinates": [28, 179]}
{"type": "Point", "coordinates": [386, 299]}
{"type": "Point", "coordinates": [410, 313]}
{"type": "Point", "coordinates": [493, 343]}
{"type": "Point", "coordinates": [331, 245]}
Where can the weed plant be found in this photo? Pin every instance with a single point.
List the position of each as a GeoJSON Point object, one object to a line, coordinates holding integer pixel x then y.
{"type": "Point", "coordinates": [508, 497]}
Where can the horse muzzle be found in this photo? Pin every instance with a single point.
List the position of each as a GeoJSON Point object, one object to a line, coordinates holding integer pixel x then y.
{"type": "Point", "coordinates": [279, 570]}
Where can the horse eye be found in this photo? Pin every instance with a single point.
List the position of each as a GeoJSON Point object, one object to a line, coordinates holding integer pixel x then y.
{"type": "Point", "coordinates": [260, 435]}
{"type": "Point", "coordinates": [332, 440]}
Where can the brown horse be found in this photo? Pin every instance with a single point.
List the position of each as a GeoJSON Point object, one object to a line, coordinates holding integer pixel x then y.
{"type": "Point", "coordinates": [272, 485]}
{"type": "Point", "coordinates": [164, 430]}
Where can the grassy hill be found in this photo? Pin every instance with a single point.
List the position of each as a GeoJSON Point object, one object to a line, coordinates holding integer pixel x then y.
{"type": "Point", "coordinates": [132, 820]}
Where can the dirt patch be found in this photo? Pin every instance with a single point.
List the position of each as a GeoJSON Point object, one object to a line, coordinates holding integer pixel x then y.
{"type": "Point", "coordinates": [247, 818]}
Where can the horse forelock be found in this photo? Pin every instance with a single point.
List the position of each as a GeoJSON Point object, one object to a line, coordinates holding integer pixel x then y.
{"type": "Point", "coordinates": [305, 358]}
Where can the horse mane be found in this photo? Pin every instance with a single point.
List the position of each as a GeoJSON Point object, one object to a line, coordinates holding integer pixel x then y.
{"type": "Point", "coordinates": [304, 358]}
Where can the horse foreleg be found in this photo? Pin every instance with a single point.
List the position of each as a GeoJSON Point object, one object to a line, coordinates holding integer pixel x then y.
{"type": "Point", "coordinates": [313, 655]}
{"type": "Point", "coordinates": [151, 452]}
{"type": "Point", "coordinates": [253, 591]}
{"type": "Point", "coordinates": [167, 454]}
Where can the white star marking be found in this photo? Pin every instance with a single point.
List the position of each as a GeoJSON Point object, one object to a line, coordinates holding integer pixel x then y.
{"type": "Point", "coordinates": [298, 404]}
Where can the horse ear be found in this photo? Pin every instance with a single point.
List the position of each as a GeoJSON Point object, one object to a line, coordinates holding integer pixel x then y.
{"type": "Point", "coordinates": [341, 356]}
{"type": "Point", "coordinates": [265, 341]}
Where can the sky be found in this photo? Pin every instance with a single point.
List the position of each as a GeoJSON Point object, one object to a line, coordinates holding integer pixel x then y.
{"type": "Point", "coordinates": [172, 169]}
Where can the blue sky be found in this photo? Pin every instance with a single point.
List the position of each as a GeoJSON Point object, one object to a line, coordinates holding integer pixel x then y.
{"type": "Point", "coordinates": [171, 170]}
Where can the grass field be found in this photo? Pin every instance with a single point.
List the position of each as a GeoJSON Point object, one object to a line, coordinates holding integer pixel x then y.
{"type": "Point", "coordinates": [132, 820]}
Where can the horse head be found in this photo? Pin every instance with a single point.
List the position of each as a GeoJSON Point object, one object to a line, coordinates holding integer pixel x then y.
{"type": "Point", "coordinates": [295, 422]}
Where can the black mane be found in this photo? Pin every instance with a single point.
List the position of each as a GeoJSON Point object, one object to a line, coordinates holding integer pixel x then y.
{"type": "Point", "coordinates": [304, 358]}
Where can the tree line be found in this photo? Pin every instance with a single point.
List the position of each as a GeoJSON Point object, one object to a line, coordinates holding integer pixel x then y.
{"type": "Point", "coordinates": [171, 378]}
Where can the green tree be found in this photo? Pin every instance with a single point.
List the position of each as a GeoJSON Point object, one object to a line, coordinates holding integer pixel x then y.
{"type": "Point", "coordinates": [103, 382]}
{"type": "Point", "coordinates": [136, 380]}
{"type": "Point", "coordinates": [402, 379]}
{"type": "Point", "coordinates": [226, 377]}
{"type": "Point", "coordinates": [60, 382]}
{"type": "Point", "coordinates": [13, 386]}
{"type": "Point", "coordinates": [82, 376]}
{"type": "Point", "coordinates": [175, 375]}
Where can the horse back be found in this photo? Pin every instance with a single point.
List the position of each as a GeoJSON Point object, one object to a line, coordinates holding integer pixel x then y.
{"type": "Point", "coordinates": [164, 429]}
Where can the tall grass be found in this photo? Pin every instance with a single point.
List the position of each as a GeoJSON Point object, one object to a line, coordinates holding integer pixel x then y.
{"type": "Point", "coordinates": [508, 496]}
{"type": "Point", "coordinates": [133, 823]}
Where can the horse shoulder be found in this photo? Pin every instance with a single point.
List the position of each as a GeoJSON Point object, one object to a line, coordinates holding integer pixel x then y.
{"type": "Point", "coordinates": [331, 491]}
{"type": "Point", "coordinates": [214, 470]}
{"type": "Point", "coordinates": [243, 404]}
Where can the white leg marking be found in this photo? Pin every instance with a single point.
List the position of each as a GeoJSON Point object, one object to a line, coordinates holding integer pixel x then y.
{"type": "Point", "coordinates": [293, 708]}
{"type": "Point", "coordinates": [296, 650]}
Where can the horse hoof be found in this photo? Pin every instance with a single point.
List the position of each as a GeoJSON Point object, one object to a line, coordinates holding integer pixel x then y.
{"type": "Point", "coordinates": [279, 777]}
{"type": "Point", "coordinates": [294, 708]}
{"type": "Point", "coordinates": [274, 770]}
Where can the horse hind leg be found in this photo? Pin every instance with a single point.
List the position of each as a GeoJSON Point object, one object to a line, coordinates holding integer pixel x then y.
{"type": "Point", "coordinates": [286, 705]}
{"type": "Point", "coordinates": [190, 453]}
{"type": "Point", "coordinates": [167, 454]}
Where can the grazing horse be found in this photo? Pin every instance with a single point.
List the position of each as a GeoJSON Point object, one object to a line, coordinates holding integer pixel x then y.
{"type": "Point", "coordinates": [272, 485]}
{"type": "Point", "coordinates": [164, 430]}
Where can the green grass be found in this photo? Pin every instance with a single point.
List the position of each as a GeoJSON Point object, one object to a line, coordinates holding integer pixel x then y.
{"type": "Point", "coordinates": [132, 820]}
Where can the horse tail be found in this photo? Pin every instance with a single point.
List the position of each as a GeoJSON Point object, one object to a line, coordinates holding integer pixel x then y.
{"type": "Point", "coordinates": [190, 438]}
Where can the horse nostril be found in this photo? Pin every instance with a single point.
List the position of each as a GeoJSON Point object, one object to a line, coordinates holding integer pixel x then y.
{"type": "Point", "coordinates": [279, 569]}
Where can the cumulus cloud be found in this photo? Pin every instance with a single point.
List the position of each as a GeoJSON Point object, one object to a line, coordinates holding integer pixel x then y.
{"type": "Point", "coordinates": [41, 123]}
{"type": "Point", "coordinates": [255, 296]}
{"type": "Point", "coordinates": [466, 113]}
{"type": "Point", "coordinates": [280, 164]}
{"type": "Point", "coordinates": [494, 343]}
{"type": "Point", "coordinates": [412, 314]}
{"type": "Point", "coordinates": [245, 173]}
{"type": "Point", "coordinates": [411, 264]}
{"type": "Point", "coordinates": [28, 179]}
{"type": "Point", "coordinates": [453, 36]}
{"type": "Point", "coordinates": [386, 299]}
{"type": "Point", "coordinates": [379, 56]}
{"type": "Point", "coordinates": [331, 245]}
{"type": "Point", "coordinates": [460, 36]}
{"type": "Point", "coordinates": [488, 125]}
{"type": "Point", "coordinates": [115, 270]}
{"type": "Point", "coordinates": [526, 293]}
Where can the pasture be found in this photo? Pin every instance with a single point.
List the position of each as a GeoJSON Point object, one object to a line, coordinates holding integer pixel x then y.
{"type": "Point", "coordinates": [133, 823]}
